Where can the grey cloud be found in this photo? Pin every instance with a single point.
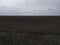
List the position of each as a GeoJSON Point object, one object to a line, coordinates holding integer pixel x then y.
{"type": "Point", "coordinates": [30, 7]}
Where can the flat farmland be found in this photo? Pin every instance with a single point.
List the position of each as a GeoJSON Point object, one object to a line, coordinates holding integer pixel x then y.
{"type": "Point", "coordinates": [29, 30]}
{"type": "Point", "coordinates": [41, 24]}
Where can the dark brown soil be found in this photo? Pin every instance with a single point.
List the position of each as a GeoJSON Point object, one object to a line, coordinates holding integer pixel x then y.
{"type": "Point", "coordinates": [29, 30]}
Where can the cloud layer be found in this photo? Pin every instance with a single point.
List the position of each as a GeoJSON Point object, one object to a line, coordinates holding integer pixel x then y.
{"type": "Point", "coordinates": [29, 7]}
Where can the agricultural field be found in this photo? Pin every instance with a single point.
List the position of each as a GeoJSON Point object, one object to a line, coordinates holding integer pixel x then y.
{"type": "Point", "coordinates": [29, 30]}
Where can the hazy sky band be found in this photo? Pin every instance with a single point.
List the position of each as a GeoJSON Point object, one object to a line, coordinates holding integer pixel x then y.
{"type": "Point", "coordinates": [29, 7]}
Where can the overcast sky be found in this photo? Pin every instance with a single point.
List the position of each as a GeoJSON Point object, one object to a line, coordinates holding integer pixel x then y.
{"type": "Point", "coordinates": [30, 7]}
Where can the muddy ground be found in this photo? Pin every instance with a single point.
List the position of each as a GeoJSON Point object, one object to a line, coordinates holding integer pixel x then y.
{"type": "Point", "coordinates": [29, 30]}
